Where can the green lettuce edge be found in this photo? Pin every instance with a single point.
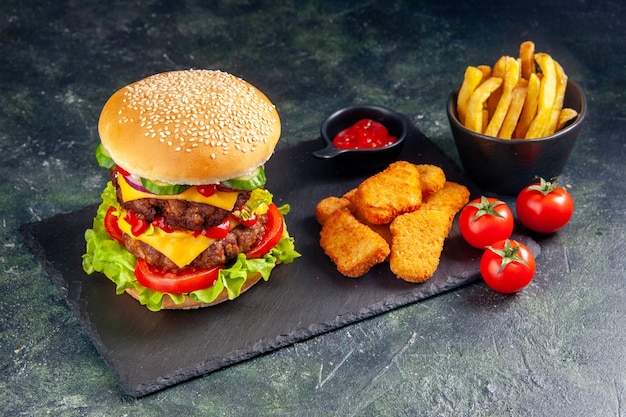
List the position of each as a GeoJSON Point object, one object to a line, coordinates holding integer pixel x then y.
{"type": "Point", "coordinates": [105, 255]}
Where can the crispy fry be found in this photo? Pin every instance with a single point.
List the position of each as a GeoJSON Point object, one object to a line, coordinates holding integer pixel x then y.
{"type": "Point", "coordinates": [488, 109]}
{"type": "Point", "coordinates": [417, 244]}
{"type": "Point", "coordinates": [547, 95]}
{"type": "Point", "coordinates": [499, 70]}
{"type": "Point", "coordinates": [432, 179]}
{"type": "Point", "coordinates": [527, 56]}
{"type": "Point", "coordinates": [472, 79]}
{"type": "Point", "coordinates": [511, 78]}
{"type": "Point", "coordinates": [558, 100]}
{"type": "Point", "coordinates": [326, 207]}
{"type": "Point", "coordinates": [515, 109]}
{"type": "Point", "coordinates": [385, 195]}
{"type": "Point", "coordinates": [450, 199]}
{"type": "Point", "coordinates": [352, 246]}
{"type": "Point", "coordinates": [530, 107]}
{"type": "Point", "coordinates": [486, 70]}
{"type": "Point", "coordinates": [565, 116]}
{"type": "Point", "coordinates": [474, 116]}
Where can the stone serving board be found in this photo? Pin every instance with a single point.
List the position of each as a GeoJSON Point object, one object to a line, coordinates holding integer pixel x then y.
{"type": "Point", "coordinates": [150, 351]}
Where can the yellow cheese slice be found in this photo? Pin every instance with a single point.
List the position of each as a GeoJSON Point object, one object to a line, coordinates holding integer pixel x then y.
{"type": "Point", "coordinates": [179, 246]}
{"type": "Point", "coordinates": [223, 199]}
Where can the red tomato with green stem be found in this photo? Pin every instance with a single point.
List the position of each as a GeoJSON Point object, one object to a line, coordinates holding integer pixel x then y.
{"type": "Point", "coordinates": [507, 266]}
{"type": "Point", "coordinates": [486, 220]}
{"type": "Point", "coordinates": [544, 207]}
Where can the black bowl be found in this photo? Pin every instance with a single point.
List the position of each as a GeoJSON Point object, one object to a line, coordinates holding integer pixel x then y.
{"type": "Point", "coordinates": [361, 160]}
{"type": "Point", "coordinates": [505, 166]}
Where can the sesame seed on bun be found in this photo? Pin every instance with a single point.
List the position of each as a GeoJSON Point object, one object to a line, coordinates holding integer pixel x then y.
{"type": "Point", "coordinates": [189, 127]}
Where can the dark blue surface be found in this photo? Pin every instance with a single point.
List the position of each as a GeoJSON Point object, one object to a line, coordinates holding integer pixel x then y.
{"type": "Point", "coordinates": [556, 348]}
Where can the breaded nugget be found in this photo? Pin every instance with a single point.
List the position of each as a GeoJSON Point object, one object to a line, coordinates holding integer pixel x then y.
{"type": "Point", "coordinates": [389, 193]}
{"type": "Point", "coordinates": [450, 199]}
{"type": "Point", "coordinates": [350, 194]}
{"type": "Point", "coordinates": [352, 246]}
{"type": "Point", "coordinates": [382, 230]}
{"type": "Point", "coordinates": [433, 179]}
{"type": "Point", "coordinates": [325, 208]}
{"type": "Point", "coordinates": [417, 244]}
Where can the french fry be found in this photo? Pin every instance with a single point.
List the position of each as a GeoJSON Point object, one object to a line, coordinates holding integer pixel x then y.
{"type": "Point", "coordinates": [565, 116]}
{"type": "Point", "coordinates": [472, 79]}
{"type": "Point", "coordinates": [530, 107]}
{"type": "Point", "coordinates": [547, 95]}
{"type": "Point", "coordinates": [485, 118]}
{"type": "Point", "coordinates": [474, 116]}
{"type": "Point", "coordinates": [499, 70]}
{"type": "Point", "coordinates": [515, 109]}
{"type": "Point", "coordinates": [527, 56]}
{"type": "Point", "coordinates": [519, 98]}
{"type": "Point", "coordinates": [558, 100]}
{"type": "Point", "coordinates": [486, 70]}
{"type": "Point", "coordinates": [511, 78]}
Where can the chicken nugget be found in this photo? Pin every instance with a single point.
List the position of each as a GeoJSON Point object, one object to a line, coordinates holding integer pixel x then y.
{"type": "Point", "coordinates": [326, 207]}
{"type": "Point", "coordinates": [433, 179]}
{"type": "Point", "coordinates": [450, 199]}
{"type": "Point", "coordinates": [382, 230]}
{"type": "Point", "coordinates": [383, 196]}
{"type": "Point", "coordinates": [350, 194]}
{"type": "Point", "coordinates": [352, 246]}
{"type": "Point", "coordinates": [417, 244]}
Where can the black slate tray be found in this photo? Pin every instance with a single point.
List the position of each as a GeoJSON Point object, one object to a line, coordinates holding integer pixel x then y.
{"type": "Point", "coordinates": [150, 351]}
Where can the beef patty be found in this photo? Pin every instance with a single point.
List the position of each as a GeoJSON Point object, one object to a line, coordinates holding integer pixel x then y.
{"type": "Point", "coordinates": [179, 214]}
{"type": "Point", "coordinates": [222, 251]}
{"type": "Point", "coordinates": [189, 215]}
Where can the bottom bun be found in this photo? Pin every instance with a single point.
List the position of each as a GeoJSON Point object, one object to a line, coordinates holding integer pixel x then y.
{"type": "Point", "coordinates": [190, 303]}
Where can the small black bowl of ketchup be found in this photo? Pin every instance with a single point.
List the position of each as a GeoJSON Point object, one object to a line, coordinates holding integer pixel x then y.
{"type": "Point", "coordinates": [363, 137]}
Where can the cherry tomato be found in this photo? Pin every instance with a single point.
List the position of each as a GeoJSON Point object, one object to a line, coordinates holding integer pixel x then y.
{"type": "Point", "coordinates": [174, 282]}
{"type": "Point", "coordinates": [111, 226]}
{"type": "Point", "coordinates": [273, 233]}
{"type": "Point", "coordinates": [365, 133]}
{"type": "Point", "coordinates": [544, 207]}
{"type": "Point", "coordinates": [486, 220]}
{"type": "Point", "coordinates": [507, 266]}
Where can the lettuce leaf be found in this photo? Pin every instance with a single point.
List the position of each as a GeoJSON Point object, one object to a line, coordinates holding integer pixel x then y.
{"type": "Point", "coordinates": [105, 255]}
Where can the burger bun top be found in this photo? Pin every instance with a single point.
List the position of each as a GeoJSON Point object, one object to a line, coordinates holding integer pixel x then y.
{"type": "Point", "coordinates": [189, 127]}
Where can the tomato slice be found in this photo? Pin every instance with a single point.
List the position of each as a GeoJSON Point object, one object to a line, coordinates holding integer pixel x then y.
{"type": "Point", "coordinates": [273, 233]}
{"type": "Point", "coordinates": [122, 171]}
{"type": "Point", "coordinates": [111, 226]}
{"type": "Point", "coordinates": [175, 282]}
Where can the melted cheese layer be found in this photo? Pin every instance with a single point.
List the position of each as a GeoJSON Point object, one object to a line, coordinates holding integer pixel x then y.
{"type": "Point", "coordinates": [223, 199]}
{"type": "Point", "coordinates": [181, 247]}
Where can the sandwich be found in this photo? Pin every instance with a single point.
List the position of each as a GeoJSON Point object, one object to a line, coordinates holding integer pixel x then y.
{"type": "Point", "coordinates": [185, 220]}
